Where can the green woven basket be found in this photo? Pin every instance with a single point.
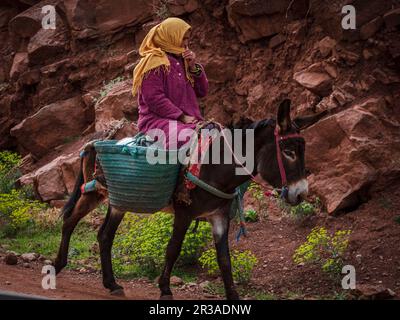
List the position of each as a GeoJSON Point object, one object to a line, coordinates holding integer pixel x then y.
{"type": "Point", "coordinates": [133, 183]}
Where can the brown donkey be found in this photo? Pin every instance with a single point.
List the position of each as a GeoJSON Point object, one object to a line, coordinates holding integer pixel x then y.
{"type": "Point", "coordinates": [280, 162]}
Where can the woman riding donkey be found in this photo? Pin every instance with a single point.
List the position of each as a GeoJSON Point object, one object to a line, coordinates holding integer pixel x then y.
{"type": "Point", "coordinates": [167, 85]}
{"type": "Point", "coordinates": [168, 81]}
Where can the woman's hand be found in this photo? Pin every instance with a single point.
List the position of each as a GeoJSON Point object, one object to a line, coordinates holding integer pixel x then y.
{"type": "Point", "coordinates": [187, 119]}
{"type": "Point", "coordinates": [190, 57]}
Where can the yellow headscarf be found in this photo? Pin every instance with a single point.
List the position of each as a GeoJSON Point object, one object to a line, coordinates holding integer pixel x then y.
{"type": "Point", "coordinates": [165, 37]}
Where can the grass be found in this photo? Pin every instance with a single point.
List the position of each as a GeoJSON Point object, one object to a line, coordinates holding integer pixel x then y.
{"type": "Point", "coordinates": [46, 241]}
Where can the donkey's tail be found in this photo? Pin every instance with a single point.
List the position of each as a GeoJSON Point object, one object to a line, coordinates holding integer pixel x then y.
{"type": "Point", "coordinates": [76, 194]}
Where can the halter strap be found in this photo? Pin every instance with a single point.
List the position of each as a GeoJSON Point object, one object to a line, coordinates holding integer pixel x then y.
{"type": "Point", "coordinates": [278, 138]}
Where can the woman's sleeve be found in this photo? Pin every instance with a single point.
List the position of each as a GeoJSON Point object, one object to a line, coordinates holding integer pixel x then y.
{"type": "Point", "coordinates": [200, 82]}
{"type": "Point", "coordinates": [153, 94]}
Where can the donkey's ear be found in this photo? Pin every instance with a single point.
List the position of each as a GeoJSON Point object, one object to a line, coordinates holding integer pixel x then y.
{"type": "Point", "coordinates": [284, 122]}
{"type": "Point", "coordinates": [300, 123]}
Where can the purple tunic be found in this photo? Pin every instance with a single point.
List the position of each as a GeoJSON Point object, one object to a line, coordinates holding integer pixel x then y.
{"type": "Point", "coordinates": [164, 97]}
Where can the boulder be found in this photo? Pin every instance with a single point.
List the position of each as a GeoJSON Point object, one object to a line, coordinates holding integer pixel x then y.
{"type": "Point", "coordinates": [56, 179]}
{"type": "Point", "coordinates": [373, 292]}
{"type": "Point", "coordinates": [359, 144]}
{"type": "Point", "coordinates": [369, 29]}
{"type": "Point", "coordinates": [319, 83]}
{"type": "Point", "coordinates": [256, 19]}
{"type": "Point", "coordinates": [177, 8]}
{"type": "Point", "coordinates": [326, 45]}
{"type": "Point", "coordinates": [392, 18]}
{"type": "Point", "coordinates": [28, 22]}
{"type": "Point", "coordinates": [29, 257]}
{"type": "Point", "coordinates": [116, 105]}
{"type": "Point", "coordinates": [11, 259]}
{"type": "Point", "coordinates": [276, 41]}
{"type": "Point", "coordinates": [89, 18]}
{"type": "Point", "coordinates": [46, 44]}
{"type": "Point", "coordinates": [70, 166]}
{"type": "Point", "coordinates": [51, 126]}
{"type": "Point", "coordinates": [49, 181]}
{"type": "Point", "coordinates": [220, 69]}
{"type": "Point", "coordinates": [20, 65]}
{"type": "Point", "coordinates": [6, 14]}
{"type": "Point", "coordinates": [256, 97]}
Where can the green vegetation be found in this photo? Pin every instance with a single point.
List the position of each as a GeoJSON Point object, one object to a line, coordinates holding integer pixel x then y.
{"type": "Point", "coordinates": [243, 264]}
{"type": "Point", "coordinates": [16, 206]}
{"type": "Point", "coordinates": [107, 87]}
{"type": "Point", "coordinates": [251, 216]}
{"type": "Point", "coordinates": [324, 250]}
{"type": "Point", "coordinates": [140, 245]}
{"type": "Point", "coordinates": [257, 194]}
{"type": "Point", "coordinates": [9, 162]}
{"type": "Point", "coordinates": [44, 235]}
{"type": "Point", "coordinates": [302, 211]}
{"type": "Point", "coordinates": [26, 225]}
{"type": "Point", "coordinates": [17, 212]}
{"type": "Point", "coordinates": [160, 8]}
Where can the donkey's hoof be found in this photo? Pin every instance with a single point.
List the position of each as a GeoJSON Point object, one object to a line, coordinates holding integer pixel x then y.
{"type": "Point", "coordinates": [167, 297]}
{"type": "Point", "coordinates": [118, 292]}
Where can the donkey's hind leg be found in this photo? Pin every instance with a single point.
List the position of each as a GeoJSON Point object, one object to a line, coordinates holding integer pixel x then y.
{"type": "Point", "coordinates": [106, 237]}
{"type": "Point", "coordinates": [181, 225]}
{"type": "Point", "coordinates": [85, 204]}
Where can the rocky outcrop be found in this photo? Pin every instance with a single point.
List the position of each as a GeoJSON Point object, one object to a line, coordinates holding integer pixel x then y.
{"type": "Point", "coordinates": [96, 18]}
{"type": "Point", "coordinates": [360, 145]}
{"type": "Point", "coordinates": [52, 125]}
{"type": "Point", "coordinates": [118, 104]}
{"type": "Point", "coordinates": [55, 90]}
{"type": "Point", "coordinates": [257, 19]}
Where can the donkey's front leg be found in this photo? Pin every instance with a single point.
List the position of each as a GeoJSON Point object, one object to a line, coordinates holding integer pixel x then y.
{"type": "Point", "coordinates": [220, 228]}
{"type": "Point", "coordinates": [181, 225]}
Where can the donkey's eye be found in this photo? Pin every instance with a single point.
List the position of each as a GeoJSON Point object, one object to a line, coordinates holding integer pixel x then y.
{"type": "Point", "coordinates": [289, 154]}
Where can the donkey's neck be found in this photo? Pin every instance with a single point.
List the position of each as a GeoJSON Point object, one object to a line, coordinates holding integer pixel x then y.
{"type": "Point", "coordinates": [225, 177]}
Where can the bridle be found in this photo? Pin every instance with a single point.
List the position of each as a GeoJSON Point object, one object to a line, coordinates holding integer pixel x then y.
{"type": "Point", "coordinates": [278, 137]}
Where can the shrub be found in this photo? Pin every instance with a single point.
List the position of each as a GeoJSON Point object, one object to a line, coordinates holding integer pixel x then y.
{"type": "Point", "coordinates": [257, 194]}
{"type": "Point", "coordinates": [9, 173]}
{"type": "Point", "coordinates": [16, 211]}
{"type": "Point", "coordinates": [302, 210]}
{"type": "Point", "coordinates": [251, 216]}
{"type": "Point", "coordinates": [324, 250]}
{"type": "Point", "coordinates": [142, 242]}
{"type": "Point", "coordinates": [243, 264]}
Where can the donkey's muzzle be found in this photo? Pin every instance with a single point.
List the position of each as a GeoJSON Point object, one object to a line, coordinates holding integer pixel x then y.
{"type": "Point", "coordinates": [297, 192]}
